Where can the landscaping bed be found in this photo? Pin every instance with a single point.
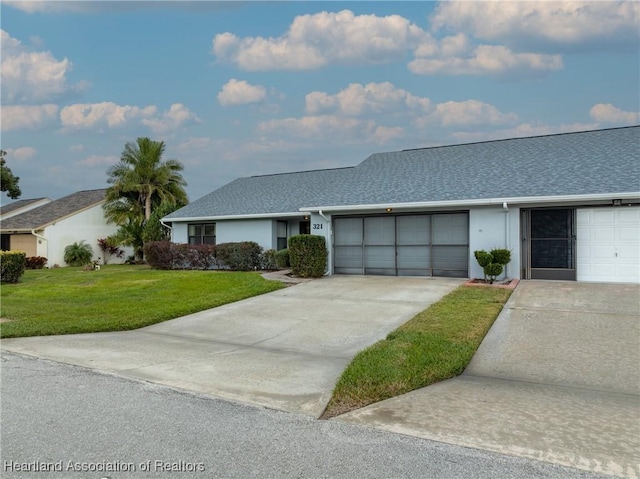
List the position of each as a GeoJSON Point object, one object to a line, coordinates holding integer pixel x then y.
{"type": "Point", "coordinates": [436, 344]}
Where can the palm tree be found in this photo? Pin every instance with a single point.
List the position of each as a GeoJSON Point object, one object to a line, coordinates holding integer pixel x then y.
{"type": "Point", "coordinates": [141, 180]}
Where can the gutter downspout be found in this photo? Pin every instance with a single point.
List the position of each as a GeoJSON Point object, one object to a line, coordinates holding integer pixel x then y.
{"type": "Point", "coordinates": [168, 227]}
{"type": "Point", "coordinates": [40, 237]}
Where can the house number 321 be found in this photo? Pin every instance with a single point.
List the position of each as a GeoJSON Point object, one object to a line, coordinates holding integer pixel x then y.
{"type": "Point", "coordinates": [317, 226]}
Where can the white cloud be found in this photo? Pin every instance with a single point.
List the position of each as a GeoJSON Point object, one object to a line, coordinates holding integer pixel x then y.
{"type": "Point", "coordinates": [29, 76]}
{"type": "Point", "coordinates": [469, 112]}
{"type": "Point", "coordinates": [194, 144]}
{"type": "Point", "coordinates": [111, 115]}
{"type": "Point", "coordinates": [523, 130]}
{"type": "Point", "coordinates": [239, 92]}
{"type": "Point", "coordinates": [373, 98]}
{"type": "Point", "coordinates": [22, 153]}
{"type": "Point", "coordinates": [177, 116]}
{"type": "Point", "coordinates": [337, 129]}
{"type": "Point", "coordinates": [313, 41]}
{"type": "Point", "coordinates": [607, 113]}
{"type": "Point", "coordinates": [21, 117]}
{"type": "Point", "coordinates": [562, 22]}
{"type": "Point", "coordinates": [97, 160]}
{"type": "Point", "coordinates": [484, 59]}
{"type": "Point", "coordinates": [90, 115]}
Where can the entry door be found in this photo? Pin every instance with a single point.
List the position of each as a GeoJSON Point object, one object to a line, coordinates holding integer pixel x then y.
{"type": "Point", "coordinates": [550, 241]}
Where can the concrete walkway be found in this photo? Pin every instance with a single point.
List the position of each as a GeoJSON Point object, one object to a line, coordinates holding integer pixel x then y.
{"type": "Point", "coordinates": [556, 379]}
{"type": "Point", "coordinates": [284, 350]}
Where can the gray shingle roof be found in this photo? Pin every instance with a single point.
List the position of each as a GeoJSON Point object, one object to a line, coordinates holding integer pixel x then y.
{"type": "Point", "coordinates": [581, 163]}
{"type": "Point", "coordinates": [15, 205]}
{"type": "Point", "coordinates": [51, 212]}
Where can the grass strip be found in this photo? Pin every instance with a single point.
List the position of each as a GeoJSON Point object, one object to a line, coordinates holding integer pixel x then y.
{"type": "Point", "coordinates": [116, 298]}
{"type": "Point", "coordinates": [436, 344]}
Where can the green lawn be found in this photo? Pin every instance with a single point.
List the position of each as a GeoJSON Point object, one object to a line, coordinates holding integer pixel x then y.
{"type": "Point", "coordinates": [116, 298]}
{"type": "Point", "coordinates": [436, 344]}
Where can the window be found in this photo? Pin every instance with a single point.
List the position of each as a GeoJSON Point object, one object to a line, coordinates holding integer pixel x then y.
{"type": "Point", "coordinates": [281, 233]}
{"type": "Point", "coordinates": [202, 233]}
{"type": "Point", "coordinates": [305, 227]}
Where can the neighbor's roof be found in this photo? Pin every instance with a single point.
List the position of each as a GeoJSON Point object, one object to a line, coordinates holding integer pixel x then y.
{"type": "Point", "coordinates": [581, 163]}
{"type": "Point", "coordinates": [19, 204]}
{"type": "Point", "coordinates": [45, 215]}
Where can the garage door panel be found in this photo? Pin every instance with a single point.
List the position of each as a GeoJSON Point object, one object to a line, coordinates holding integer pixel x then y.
{"type": "Point", "coordinates": [348, 231]}
{"type": "Point", "coordinates": [414, 257]}
{"type": "Point", "coordinates": [348, 259]}
{"type": "Point", "coordinates": [380, 231]}
{"type": "Point", "coordinates": [380, 257]}
{"type": "Point", "coordinates": [413, 230]}
{"type": "Point", "coordinates": [450, 229]}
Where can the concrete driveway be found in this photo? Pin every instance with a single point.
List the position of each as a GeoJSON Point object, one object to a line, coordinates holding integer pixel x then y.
{"type": "Point", "coordinates": [284, 350]}
{"type": "Point", "coordinates": [556, 379]}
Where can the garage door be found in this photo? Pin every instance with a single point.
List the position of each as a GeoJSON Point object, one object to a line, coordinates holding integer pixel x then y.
{"type": "Point", "coordinates": [403, 245]}
{"type": "Point", "coordinates": [608, 244]}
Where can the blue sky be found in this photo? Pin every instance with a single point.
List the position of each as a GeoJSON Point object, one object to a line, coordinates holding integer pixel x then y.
{"type": "Point", "coordinates": [248, 88]}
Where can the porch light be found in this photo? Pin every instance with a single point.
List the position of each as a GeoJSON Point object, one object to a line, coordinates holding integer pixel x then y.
{"type": "Point", "coordinates": [388, 210]}
{"type": "Point", "coordinates": [306, 218]}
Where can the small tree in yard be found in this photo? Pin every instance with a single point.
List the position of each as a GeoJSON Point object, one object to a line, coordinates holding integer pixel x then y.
{"type": "Point", "coordinates": [308, 255]}
{"type": "Point", "coordinates": [109, 247]}
{"type": "Point", "coordinates": [78, 254]}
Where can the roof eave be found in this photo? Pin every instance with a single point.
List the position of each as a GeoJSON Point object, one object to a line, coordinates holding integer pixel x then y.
{"type": "Point", "coordinates": [232, 217]}
{"type": "Point", "coordinates": [478, 202]}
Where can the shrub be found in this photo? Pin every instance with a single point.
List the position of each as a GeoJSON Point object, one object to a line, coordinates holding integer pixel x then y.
{"type": "Point", "coordinates": [159, 254]}
{"type": "Point", "coordinates": [493, 262]}
{"type": "Point", "coordinates": [12, 265]}
{"type": "Point", "coordinates": [269, 261]}
{"type": "Point", "coordinates": [500, 256]}
{"type": "Point", "coordinates": [110, 248]}
{"type": "Point", "coordinates": [243, 256]}
{"type": "Point", "coordinates": [282, 259]}
{"type": "Point", "coordinates": [308, 255]}
{"type": "Point", "coordinates": [78, 254]}
{"type": "Point", "coordinates": [483, 257]}
{"type": "Point", "coordinates": [493, 270]}
{"type": "Point", "coordinates": [35, 262]}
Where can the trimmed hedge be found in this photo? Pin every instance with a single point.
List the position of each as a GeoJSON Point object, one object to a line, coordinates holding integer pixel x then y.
{"type": "Point", "coordinates": [244, 256]}
{"type": "Point", "coordinates": [308, 255]}
{"type": "Point", "coordinates": [35, 262]}
{"type": "Point", "coordinates": [282, 259]}
{"type": "Point", "coordinates": [12, 264]}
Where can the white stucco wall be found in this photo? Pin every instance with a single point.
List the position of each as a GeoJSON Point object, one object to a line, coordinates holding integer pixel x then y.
{"type": "Point", "coordinates": [260, 231]}
{"type": "Point", "coordinates": [493, 227]}
{"type": "Point", "coordinates": [88, 225]}
{"type": "Point", "coordinates": [179, 232]}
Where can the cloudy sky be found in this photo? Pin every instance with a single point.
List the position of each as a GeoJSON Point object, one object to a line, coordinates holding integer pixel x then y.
{"type": "Point", "coordinates": [247, 88]}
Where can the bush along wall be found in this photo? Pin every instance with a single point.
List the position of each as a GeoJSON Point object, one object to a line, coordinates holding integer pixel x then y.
{"type": "Point", "coordinates": [492, 262]}
{"type": "Point", "coordinates": [12, 264]}
{"type": "Point", "coordinates": [243, 256]}
{"type": "Point", "coordinates": [308, 255]}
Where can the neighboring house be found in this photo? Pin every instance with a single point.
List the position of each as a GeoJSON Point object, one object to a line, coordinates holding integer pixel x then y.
{"type": "Point", "coordinates": [566, 205]}
{"type": "Point", "coordinates": [49, 228]}
{"type": "Point", "coordinates": [20, 206]}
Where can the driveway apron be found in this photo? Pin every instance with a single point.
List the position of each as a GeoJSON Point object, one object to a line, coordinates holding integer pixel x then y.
{"type": "Point", "coordinates": [284, 350]}
{"type": "Point", "coordinates": [557, 379]}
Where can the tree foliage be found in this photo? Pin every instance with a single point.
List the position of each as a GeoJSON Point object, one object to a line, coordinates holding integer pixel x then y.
{"type": "Point", "coordinates": [8, 182]}
{"type": "Point", "coordinates": [142, 180]}
{"type": "Point", "coordinates": [78, 254]}
{"type": "Point", "coordinates": [144, 188]}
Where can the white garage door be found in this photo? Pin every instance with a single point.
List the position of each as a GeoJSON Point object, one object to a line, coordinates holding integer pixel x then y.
{"type": "Point", "coordinates": [608, 244]}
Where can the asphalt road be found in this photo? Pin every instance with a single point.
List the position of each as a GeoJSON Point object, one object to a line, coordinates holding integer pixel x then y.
{"type": "Point", "coordinates": [56, 416]}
